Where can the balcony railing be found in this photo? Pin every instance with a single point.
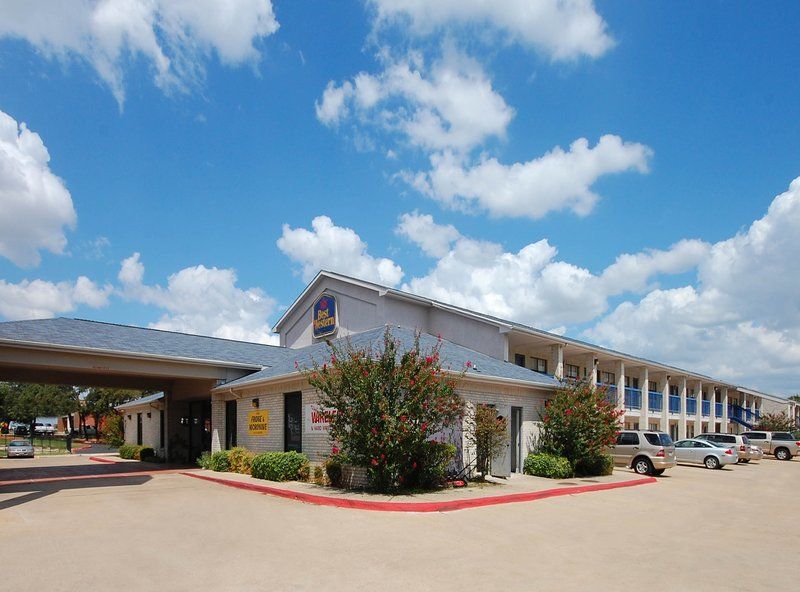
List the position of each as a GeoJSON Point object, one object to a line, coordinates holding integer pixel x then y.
{"type": "Point", "coordinates": [706, 408]}
{"type": "Point", "coordinates": [674, 404]}
{"type": "Point", "coordinates": [748, 414]}
{"type": "Point", "coordinates": [691, 406]}
{"type": "Point", "coordinates": [758, 414]}
{"type": "Point", "coordinates": [611, 392]}
{"type": "Point", "coordinates": [655, 401]}
{"type": "Point", "coordinates": [718, 409]}
{"type": "Point", "coordinates": [633, 398]}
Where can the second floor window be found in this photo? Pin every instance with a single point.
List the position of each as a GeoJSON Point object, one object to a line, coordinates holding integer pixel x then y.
{"type": "Point", "coordinates": [519, 360]}
{"type": "Point", "coordinates": [653, 386]}
{"type": "Point", "coordinates": [539, 365]}
{"type": "Point", "coordinates": [607, 378]}
{"type": "Point", "coordinates": [571, 371]}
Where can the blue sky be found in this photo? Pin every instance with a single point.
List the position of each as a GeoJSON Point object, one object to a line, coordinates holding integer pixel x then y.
{"type": "Point", "coordinates": [199, 165]}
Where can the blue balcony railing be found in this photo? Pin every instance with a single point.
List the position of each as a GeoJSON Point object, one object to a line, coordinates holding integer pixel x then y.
{"type": "Point", "coordinates": [736, 412]}
{"type": "Point", "coordinates": [674, 404]}
{"type": "Point", "coordinates": [718, 409]}
{"type": "Point", "coordinates": [749, 415]}
{"type": "Point", "coordinates": [633, 398]}
{"type": "Point", "coordinates": [655, 401]}
{"type": "Point", "coordinates": [691, 406]}
{"type": "Point", "coordinates": [758, 414]}
{"type": "Point", "coordinates": [706, 408]}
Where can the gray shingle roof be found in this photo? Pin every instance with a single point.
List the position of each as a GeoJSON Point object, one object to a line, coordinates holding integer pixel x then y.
{"type": "Point", "coordinates": [453, 357]}
{"type": "Point", "coordinates": [140, 401]}
{"type": "Point", "coordinates": [125, 338]}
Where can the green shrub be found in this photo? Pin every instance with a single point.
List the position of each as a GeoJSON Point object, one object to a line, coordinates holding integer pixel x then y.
{"type": "Point", "coordinates": [113, 431]}
{"type": "Point", "coordinates": [333, 469]}
{"type": "Point", "coordinates": [280, 466]}
{"type": "Point", "coordinates": [319, 475]}
{"type": "Point", "coordinates": [144, 453]}
{"type": "Point", "coordinates": [204, 461]}
{"type": "Point", "coordinates": [241, 460]}
{"type": "Point", "coordinates": [547, 465]}
{"type": "Point", "coordinates": [432, 466]}
{"type": "Point", "coordinates": [128, 451]}
{"type": "Point", "coordinates": [219, 461]}
{"type": "Point", "coordinates": [595, 466]}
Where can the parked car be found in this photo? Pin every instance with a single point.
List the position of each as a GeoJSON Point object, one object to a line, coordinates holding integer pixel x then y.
{"type": "Point", "coordinates": [19, 449]}
{"type": "Point", "coordinates": [755, 452]}
{"type": "Point", "coordinates": [646, 452]}
{"type": "Point", "coordinates": [21, 430]}
{"type": "Point", "coordinates": [782, 444]}
{"type": "Point", "coordinates": [737, 441]}
{"type": "Point", "coordinates": [702, 452]}
{"type": "Point", "coordinates": [44, 428]}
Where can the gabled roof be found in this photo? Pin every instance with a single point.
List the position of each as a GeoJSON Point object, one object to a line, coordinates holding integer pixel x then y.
{"type": "Point", "coordinates": [113, 338]}
{"type": "Point", "coordinates": [147, 399]}
{"type": "Point", "coordinates": [453, 357]}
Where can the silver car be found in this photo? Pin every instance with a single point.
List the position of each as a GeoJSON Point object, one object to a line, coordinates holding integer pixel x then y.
{"type": "Point", "coordinates": [755, 452]}
{"type": "Point", "coordinates": [19, 449]}
{"type": "Point", "coordinates": [702, 452]}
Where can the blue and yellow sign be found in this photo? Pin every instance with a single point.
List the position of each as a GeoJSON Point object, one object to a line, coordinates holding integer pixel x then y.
{"type": "Point", "coordinates": [323, 320]}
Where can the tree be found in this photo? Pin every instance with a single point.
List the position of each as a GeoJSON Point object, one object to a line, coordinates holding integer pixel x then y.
{"type": "Point", "coordinates": [102, 402]}
{"type": "Point", "coordinates": [579, 423]}
{"type": "Point", "coordinates": [25, 402]}
{"type": "Point", "coordinates": [776, 422]}
{"type": "Point", "coordinates": [795, 398]}
{"type": "Point", "coordinates": [488, 434]}
{"type": "Point", "coordinates": [384, 405]}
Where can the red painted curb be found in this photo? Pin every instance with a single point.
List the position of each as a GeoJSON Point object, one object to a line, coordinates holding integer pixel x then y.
{"type": "Point", "coordinates": [444, 506]}
{"type": "Point", "coordinates": [87, 447]}
{"type": "Point", "coordinates": [102, 460]}
{"type": "Point", "coordinates": [82, 477]}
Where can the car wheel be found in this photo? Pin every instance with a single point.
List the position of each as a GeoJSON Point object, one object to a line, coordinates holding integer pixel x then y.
{"type": "Point", "coordinates": [782, 454]}
{"type": "Point", "coordinates": [658, 472]}
{"type": "Point", "coordinates": [711, 462]}
{"type": "Point", "coordinates": [744, 460]}
{"type": "Point", "coordinates": [643, 466]}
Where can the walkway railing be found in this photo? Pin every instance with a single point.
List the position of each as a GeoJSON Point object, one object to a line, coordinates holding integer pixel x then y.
{"type": "Point", "coordinates": [718, 409]}
{"type": "Point", "coordinates": [633, 398]}
{"type": "Point", "coordinates": [691, 406]}
{"type": "Point", "coordinates": [655, 401]}
{"type": "Point", "coordinates": [706, 408]}
{"type": "Point", "coordinates": [674, 404]}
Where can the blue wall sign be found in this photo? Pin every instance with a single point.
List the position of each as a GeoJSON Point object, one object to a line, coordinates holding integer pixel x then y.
{"type": "Point", "coordinates": [324, 319]}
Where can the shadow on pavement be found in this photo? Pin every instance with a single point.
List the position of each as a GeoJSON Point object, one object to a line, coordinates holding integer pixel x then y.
{"type": "Point", "coordinates": [22, 474]}
{"type": "Point", "coordinates": [34, 491]}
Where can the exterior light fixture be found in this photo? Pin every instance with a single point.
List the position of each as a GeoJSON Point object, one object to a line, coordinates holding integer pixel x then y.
{"type": "Point", "coordinates": [256, 403]}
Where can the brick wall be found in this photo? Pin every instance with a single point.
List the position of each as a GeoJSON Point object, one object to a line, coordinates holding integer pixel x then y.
{"type": "Point", "coordinates": [151, 427]}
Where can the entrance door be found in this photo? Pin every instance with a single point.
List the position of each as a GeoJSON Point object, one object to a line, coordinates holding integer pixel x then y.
{"type": "Point", "coordinates": [230, 424]}
{"type": "Point", "coordinates": [516, 439]}
{"type": "Point", "coordinates": [139, 429]}
{"type": "Point", "coordinates": [501, 463]}
{"type": "Point", "coordinates": [293, 422]}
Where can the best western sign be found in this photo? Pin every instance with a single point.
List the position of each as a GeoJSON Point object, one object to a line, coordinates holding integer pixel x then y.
{"type": "Point", "coordinates": [323, 316]}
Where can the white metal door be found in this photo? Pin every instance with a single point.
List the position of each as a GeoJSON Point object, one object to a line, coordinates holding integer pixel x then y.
{"type": "Point", "coordinates": [501, 463]}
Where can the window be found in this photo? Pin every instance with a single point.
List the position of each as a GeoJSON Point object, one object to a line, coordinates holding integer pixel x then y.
{"type": "Point", "coordinates": [701, 445]}
{"type": "Point", "coordinates": [683, 444]}
{"type": "Point", "coordinates": [539, 365]}
{"type": "Point", "coordinates": [519, 359]}
{"type": "Point", "coordinates": [782, 436]}
{"type": "Point", "coordinates": [607, 378]}
{"type": "Point", "coordinates": [653, 386]}
{"type": "Point", "coordinates": [673, 390]}
{"type": "Point", "coordinates": [627, 439]}
{"type": "Point", "coordinates": [631, 382]}
{"type": "Point", "coordinates": [571, 371]}
{"type": "Point", "coordinates": [659, 439]}
{"type": "Point", "coordinates": [756, 436]}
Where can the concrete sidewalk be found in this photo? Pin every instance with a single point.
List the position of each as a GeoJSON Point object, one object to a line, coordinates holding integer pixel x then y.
{"type": "Point", "coordinates": [517, 488]}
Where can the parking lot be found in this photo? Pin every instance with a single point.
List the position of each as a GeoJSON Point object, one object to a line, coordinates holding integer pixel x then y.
{"type": "Point", "coordinates": [731, 529]}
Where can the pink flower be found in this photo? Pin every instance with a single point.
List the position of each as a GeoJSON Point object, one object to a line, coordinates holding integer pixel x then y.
{"type": "Point", "coordinates": [469, 364]}
{"type": "Point", "coordinates": [429, 360]}
{"type": "Point", "coordinates": [335, 450]}
{"type": "Point", "coordinates": [424, 426]}
{"type": "Point", "coordinates": [374, 462]}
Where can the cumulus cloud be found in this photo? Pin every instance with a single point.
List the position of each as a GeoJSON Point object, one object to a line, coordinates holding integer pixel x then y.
{"type": "Point", "coordinates": [558, 180]}
{"type": "Point", "coordinates": [531, 285]}
{"type": "Point", "coordinates": [202, 300]}
{"type": "Point", "coordinates": [741, 320]}
{"type": "Point", "coordinates": [448, 104]}
{"type": "Point", "coordinates": [561, 29]}
{"type": "Point", "coordinates": [335, 248]}
{"type": "Point", "coordinates": [35, 205]}
{"type": "Point", "coordinates": [39, 299]}
{"type": "Point", "coordinates": [173, 36]}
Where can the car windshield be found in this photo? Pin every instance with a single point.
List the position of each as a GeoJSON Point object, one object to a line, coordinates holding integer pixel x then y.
{"type": "Point", "coordinates": [18, 443]}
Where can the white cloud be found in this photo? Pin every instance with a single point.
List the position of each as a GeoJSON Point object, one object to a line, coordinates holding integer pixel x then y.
{"type": "Point", "coordinates": [174, 36]}
{"type": "Point", "coordinates": [335, 248]}
{"type": "Point", "coordinates": [202, 300]}
{"type": "Point", "coordinates": [562, 29]}
{"type": "Point", "coordinates": [531, 285]}
{"type": "Point", "coordinates": [39, 299]}
{"type": "Point", "coordinates": [449, 104]}
{"type": "Point", "coordinates": [558, 180]}
{"type": "Point", "coordinates": [35, 205]}
{"type": "Point", "coordinates": [741, 321]}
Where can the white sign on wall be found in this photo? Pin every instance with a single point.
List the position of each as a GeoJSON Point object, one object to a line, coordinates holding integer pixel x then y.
{"type": "Point", "coordinates": [315, 420]}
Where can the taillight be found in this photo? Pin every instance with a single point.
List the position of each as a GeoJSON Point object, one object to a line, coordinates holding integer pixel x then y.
{"type": "Point", "coordinates": [729, 451]}
{"type": "Point", "coordinates": [742, 448]}
{"type": "Point", "coordinates": [660, 452]}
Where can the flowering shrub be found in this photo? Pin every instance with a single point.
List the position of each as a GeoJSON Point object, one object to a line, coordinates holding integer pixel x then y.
{"type": "Point", "coordinates": [488, 434]}
{"type": "Point", "coordinates": [241, 460]}
{"type": "Point", "coordinates": [579, 424]}
{"type": "Point", "coordinates": [384, 405]}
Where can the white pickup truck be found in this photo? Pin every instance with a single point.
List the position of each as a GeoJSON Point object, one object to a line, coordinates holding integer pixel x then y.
{"type": "Point", "coordinates": [782, 444]}
{"type": "Point", "coordinates": [42, 429]}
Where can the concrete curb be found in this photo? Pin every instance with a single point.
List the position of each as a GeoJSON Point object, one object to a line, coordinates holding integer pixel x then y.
{"type": "Point", "coordinates": [100, 459]}
{"type": "Point", "coordinates": [443, 506]}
